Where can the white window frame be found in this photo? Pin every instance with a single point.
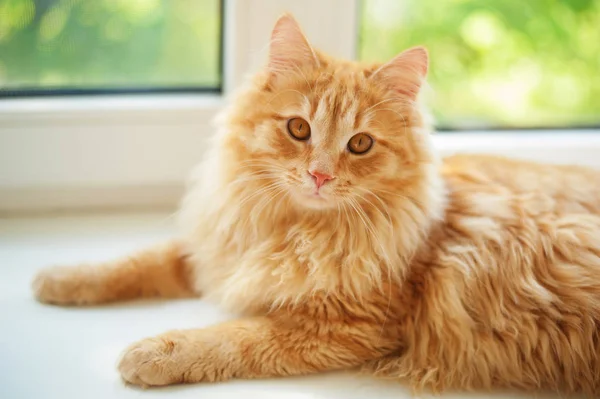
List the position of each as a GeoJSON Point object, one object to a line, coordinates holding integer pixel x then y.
{"type": "Point", "coordinates": [135, 151]}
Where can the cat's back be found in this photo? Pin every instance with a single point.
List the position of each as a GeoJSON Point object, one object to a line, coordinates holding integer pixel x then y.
{"type": "Point", "coordinates": [528, 229]}
{"type": "Point", "coordinates": [482, 180]}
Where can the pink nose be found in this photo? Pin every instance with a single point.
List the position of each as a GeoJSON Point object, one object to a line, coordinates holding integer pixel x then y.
{"type": "Point", "coordinates": [320, 178]}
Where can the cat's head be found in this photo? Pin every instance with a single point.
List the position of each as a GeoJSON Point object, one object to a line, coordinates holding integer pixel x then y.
{"type": "Point", "coordinates": [325, 132]}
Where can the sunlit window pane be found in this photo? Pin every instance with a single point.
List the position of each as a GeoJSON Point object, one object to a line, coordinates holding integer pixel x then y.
{"type": "Point", "coordinates": [109, 44]}
{"type": "Point", "coordinates": [509, 63]}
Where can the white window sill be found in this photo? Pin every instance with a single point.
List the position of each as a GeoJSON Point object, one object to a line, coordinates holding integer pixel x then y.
{"type": "Point", "coordinates": [577, 147]}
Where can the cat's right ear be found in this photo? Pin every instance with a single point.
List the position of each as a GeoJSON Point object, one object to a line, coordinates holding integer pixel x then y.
{"type": "Point", "coordinates": [289, 48]}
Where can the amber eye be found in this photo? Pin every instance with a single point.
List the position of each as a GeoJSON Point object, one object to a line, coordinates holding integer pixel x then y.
{"type": "Point", "coordinates": [299, 129]}
{"type": "Point", "coordinates": [360, 143]}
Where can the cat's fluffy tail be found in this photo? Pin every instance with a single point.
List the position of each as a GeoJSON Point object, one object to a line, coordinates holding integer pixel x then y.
{"type": "Point", "coordinates": [160, 271]}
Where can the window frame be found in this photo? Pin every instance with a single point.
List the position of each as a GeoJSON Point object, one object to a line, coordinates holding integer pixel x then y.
{"type": "Point", "coordinates": [133, 151]}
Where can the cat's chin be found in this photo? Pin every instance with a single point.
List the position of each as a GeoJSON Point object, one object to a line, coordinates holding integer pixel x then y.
{"type": "Point", "coordinates": [315, 201]}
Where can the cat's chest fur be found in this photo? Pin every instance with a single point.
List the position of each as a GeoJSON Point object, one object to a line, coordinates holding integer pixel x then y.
{"type": "Point", "coordinates": [254, 268]}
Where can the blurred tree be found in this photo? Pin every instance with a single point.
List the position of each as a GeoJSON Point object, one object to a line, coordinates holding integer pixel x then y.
{"type": "Point", "coordinates": [109, 43]}
{"type": "Point", "coordinates": [511, 63]}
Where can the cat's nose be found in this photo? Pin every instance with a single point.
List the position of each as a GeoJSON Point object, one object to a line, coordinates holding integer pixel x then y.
{"type": "Point", "coordinates": [319, 177]}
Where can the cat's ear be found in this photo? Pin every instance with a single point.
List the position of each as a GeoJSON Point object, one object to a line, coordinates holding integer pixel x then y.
{"type": "Point", "coordinates": [289, 48]}
{"type": "Point", "coordinates": [405, 73]}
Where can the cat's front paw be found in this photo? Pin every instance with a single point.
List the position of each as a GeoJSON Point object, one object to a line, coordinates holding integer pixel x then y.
{"type": "Point", "coordinates": [151, 362]}
{"type": "Point", "coordinates": [60, 286]}
{"type": "Point", "coordinates": [178, 356]}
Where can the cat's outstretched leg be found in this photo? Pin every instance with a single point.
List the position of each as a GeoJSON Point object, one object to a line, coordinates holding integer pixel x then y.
{"type": "Point", "coordinates": [259, 347]}
{"type": "Point", "coordinates": [160, 271]}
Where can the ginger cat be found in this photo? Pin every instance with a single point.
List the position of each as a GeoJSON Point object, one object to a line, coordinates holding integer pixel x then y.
{"type": "Point", "coordinates": [323, 216]}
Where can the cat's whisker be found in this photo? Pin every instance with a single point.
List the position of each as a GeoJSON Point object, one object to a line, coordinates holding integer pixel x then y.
{"type": "Point", "coordinates": [406, 126]}
{"type": "Point", "coordinates": [378, 123]}
{"type": "Point", "coordinates": [258, 192]}
{"type": "Point", "coordinates": [369, 227]}
{"type": "Point", "coordinates": [263, 164]}
{"type": "Point", "coordinates": [250, 178]}
{"type": "Point", "coordinates": [254, 173]}
{"type": "Point", "coordinates": [387, 221]}
{"type": "Point", "coordinates": [301, 73]}
{"type": "Point", "coordinates": [402, 196]}
{"type": "Point", "coordinates": [262, 175]}
{"type": "Point", "coordinates": [263, 190]}
{"type": "Point", "coordinates": [250, 162]}
{"type": "Point", "coordinates": [269, 197]}
{"type": "Point", "coordinates": [304, 96]}
{"type": "Point", "coordinates": [387, 100]}
{"type": "Point", "coordinates": [268, 168]}
{"type": "Point", "coordinates": [351, 232]}
{"type": "Point", "coordinates": [384, 207]}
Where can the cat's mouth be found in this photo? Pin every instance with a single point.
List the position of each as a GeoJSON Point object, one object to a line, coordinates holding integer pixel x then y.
{"type": "Point", "coordinates": [307, 195]}
{"type": "Point", "coordinates": [315, 200]}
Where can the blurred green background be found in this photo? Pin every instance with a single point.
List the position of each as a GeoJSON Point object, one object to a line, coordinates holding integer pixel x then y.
{"type": "Point", "coordinates": [109, 43]}
{"type": "Point", "coordinates": [509, 63]}
{"type": "Point", "coordinates": [494, 63]}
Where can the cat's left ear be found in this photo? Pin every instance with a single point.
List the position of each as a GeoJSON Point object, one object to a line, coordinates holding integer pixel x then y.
{"type": "Point", "coordinates": [289, 47]}
{"type": "Point", "coordinates": [405, 73]}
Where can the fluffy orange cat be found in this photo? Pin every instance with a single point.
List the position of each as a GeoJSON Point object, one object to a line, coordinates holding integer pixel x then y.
{"type": "Point", "coordinates": [324, 217]}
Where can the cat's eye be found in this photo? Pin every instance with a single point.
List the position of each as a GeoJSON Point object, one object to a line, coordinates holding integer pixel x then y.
{"type": "Point", "coordinates": [299, 129]}
{"type": "Point", "coordinates": [360, 143]}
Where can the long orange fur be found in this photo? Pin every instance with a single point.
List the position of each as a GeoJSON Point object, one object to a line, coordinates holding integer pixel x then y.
{"type": "Point", "coordinates": [471, 272]}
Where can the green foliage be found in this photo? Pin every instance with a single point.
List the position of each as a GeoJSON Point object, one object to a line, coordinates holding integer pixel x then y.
{"type": "Point", "coordinates": [109, 43]}
{"type": "Point", "coordinates": [497, 62]}
{"type": "Point", "coordinates": [493, 62]}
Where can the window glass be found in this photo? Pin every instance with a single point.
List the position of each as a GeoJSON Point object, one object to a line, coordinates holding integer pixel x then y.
{"type": "Point", "coordinates": [508, 63]}
{"type": "Point", "coordinates": [109, 45]}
